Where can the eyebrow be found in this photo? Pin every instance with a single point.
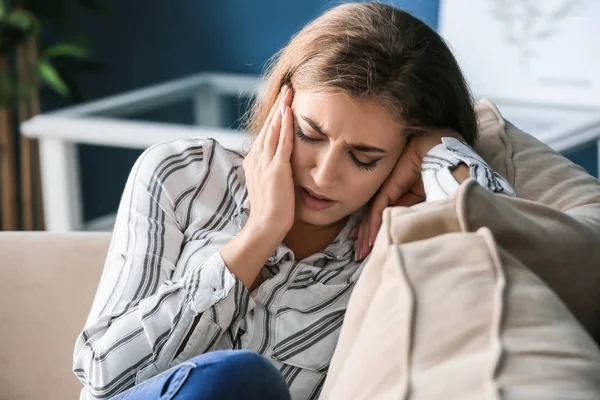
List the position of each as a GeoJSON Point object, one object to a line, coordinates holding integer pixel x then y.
{"type": "Point", "coordinates": [356, 146]}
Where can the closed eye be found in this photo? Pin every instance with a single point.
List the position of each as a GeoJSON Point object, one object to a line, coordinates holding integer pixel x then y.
{"type": "Point", "coordinates": [305, 138]}
{"type": "Point", "coordinates": [367, 166]}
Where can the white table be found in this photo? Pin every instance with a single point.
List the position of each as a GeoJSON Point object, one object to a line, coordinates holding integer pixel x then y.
{"type": "Point", "coordinates": [97, 123]}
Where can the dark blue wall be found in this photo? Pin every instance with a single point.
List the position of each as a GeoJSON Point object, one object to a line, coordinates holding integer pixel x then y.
{"type": "Point", "coordinates": [151, 41]}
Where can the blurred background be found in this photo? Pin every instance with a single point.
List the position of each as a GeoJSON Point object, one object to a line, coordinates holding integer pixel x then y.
{"type": "Point", "coordinates": [86, 85]}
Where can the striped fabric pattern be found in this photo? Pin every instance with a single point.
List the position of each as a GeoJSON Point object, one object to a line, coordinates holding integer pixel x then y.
{"type": "Point", "coordinates": [437, 166]}
{"type": "Point", "coordinates": [182, 202]}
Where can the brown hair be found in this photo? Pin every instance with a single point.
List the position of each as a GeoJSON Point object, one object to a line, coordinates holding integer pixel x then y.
{"type": "Point", "coordinates": [374, 51]}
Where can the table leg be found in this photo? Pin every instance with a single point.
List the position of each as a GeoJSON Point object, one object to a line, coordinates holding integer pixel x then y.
{"type": "Point", "coordinates": [208, 108]}
{"type": "Point", "coordinates": [60, 185]}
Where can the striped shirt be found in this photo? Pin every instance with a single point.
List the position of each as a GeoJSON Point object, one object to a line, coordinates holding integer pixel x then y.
{"type": "Point", "coordinates": [183, 201]}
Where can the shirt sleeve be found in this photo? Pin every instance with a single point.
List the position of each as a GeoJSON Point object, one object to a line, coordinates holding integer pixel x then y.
{"type": "Point", "coordinates": [139, 317]}
{"type": "Point", "coordinates": [438, 163]}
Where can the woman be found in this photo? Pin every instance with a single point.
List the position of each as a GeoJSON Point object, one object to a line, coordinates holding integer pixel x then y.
{"type": "Point", "coordinates": [365, 108]}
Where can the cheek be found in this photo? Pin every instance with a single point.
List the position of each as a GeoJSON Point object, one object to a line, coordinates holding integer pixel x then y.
{"type": "Point", "coordinates": [301, 157]}
{"type": "Point", "coordinates": [296, 160]}
{"type": "Point", "coordinates": [362, 185]}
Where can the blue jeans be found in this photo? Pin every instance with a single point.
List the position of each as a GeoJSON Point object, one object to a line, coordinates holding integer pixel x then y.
{"type": "Point", "coordinates": [223, 375]}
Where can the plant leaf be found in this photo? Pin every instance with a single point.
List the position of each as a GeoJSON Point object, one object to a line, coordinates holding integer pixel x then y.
{"type": "Point", "coordinates": [24, 20]}
{"type": "Point", "coordinates": [66, 49]}
{"type": "Point", "coordinates": [51, 77]}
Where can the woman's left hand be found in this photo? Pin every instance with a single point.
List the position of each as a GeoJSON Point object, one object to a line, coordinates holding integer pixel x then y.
{"type": "Point", "coordinates": [403, 187]}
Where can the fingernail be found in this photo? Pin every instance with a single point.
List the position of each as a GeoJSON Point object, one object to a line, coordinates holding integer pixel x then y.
{"type": "Point", "coordinates": [283, 90]}
{"type": "Point", "coordinates": [283, 109]}
{"type": "Point", "coordinates": [370, 243]}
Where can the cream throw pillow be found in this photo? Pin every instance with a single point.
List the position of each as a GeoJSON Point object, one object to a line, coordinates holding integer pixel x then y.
{"type": "Point", "coordinates": [565, 250]}
{"type": "Point", "coordinates": [442, 313]}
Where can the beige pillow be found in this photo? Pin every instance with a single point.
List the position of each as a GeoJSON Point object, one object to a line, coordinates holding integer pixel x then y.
{"type": "Point", "coordinates": [566, 249]}
{"type": "Point", "coordinates": [441, 312]}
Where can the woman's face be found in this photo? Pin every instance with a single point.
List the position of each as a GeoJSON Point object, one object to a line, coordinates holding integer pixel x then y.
{"type": "Point", "coordinates": [344, 149]}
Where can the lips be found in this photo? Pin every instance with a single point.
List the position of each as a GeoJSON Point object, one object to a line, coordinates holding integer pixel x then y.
{"type": "Point", "coordinates": [315, 201]}
{"type": "Point", "coordinates": [316, 195]}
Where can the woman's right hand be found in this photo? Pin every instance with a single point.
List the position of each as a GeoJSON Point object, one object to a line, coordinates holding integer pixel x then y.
{"type": "Point", "coordinates": [269, 172]}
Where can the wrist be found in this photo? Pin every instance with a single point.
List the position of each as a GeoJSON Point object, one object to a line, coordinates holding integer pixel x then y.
{"type": "Point", "coordinates": [461, 172]}
{"type": "Point", "coordinates": [246, 254]}
{"type": "Point", "coordinates": [260, 238]}
{"type": "Point", "coordinates": [430, 141]}
{"type": "Point", "coordinates": [263, 229]}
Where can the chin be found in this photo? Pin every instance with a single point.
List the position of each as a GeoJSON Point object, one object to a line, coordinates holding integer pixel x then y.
{"type": "Point", "coordinates": [318, 218]}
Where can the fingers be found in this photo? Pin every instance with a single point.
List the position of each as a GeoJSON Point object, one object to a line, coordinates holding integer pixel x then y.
{"type": "Point", "coordinates": [409, 199]}
{"type": "Point", "coordinates": [398, 182]}
{"type": "Point", "coordinates": [366, 240]}
{"type": "Point", "coordinates": [274, 129]}
{"type": "Point", "coordinates": [397, 190]}
{"type": "Point", "coordinates": [260, 139]}
{"type": "Point", "coordinates": [374, 226]}
{"type": "Point", "coordinates": [370, 225]}
{"type": "Point", "coordinates": [286, 137]}
{"type": "Point", "coordinates": [360, 246]}
{"type": "Point", "coordinates": [366, 233]}
{"type": "Point", "coordinates": [358, 241]}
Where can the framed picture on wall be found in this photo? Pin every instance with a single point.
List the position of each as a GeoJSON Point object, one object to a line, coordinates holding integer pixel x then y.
{"type": "Point", "coordinates": [533, 51]}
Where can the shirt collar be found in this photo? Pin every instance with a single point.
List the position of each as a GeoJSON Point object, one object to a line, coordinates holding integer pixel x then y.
{"type": "Point", "coordinates": [341, 248]}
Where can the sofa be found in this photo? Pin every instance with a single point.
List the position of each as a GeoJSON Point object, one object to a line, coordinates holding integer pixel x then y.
{"type": "Point", "coordinates": [47, 284]}
{"type": "Point", "coordinates": [48, 280]}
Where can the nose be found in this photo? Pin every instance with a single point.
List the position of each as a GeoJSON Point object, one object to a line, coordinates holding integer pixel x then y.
{"type": "Point", "coordinates": [327, 169]}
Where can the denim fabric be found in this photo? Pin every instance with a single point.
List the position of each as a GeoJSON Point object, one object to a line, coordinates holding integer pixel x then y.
{"type": "Point", "coordinates": [223, 375]}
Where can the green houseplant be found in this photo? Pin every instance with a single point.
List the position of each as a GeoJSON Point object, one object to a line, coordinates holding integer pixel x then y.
{"type": "Point", "coordinates": [28, 65]}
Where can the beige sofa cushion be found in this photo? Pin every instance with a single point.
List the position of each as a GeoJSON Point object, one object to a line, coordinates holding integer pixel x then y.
{"type": "Point", "coordinates": [47, 283]}
{"type": "Point", "coordinates": [442, 311]}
